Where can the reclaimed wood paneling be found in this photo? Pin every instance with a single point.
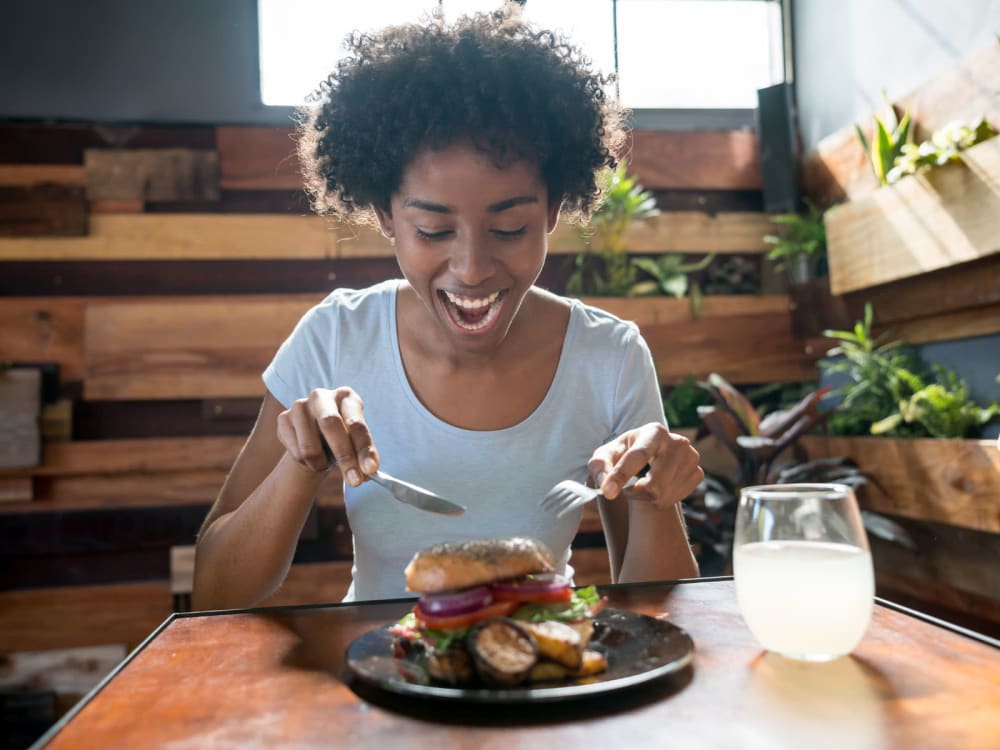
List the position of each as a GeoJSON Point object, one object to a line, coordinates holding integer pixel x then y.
{"type": "Point", "coordinates": [960, 324]}
{"type": "Point", "coordinates": [953, 482]}
{"type": "Point", "coordinates": [46, 210]}
{"type": "Point", "coordinates": [163, 175]}
{"type": "Point", "coordinates": [280, 236]}
{"type": "Point", "coordinates": [134, 456]}
{"type": "Point", "coordinates": [184, 236]}
{"type": "Point", "coordinates": [26, 175]}
{"type": "Point", "coordinates": [43, 330]}
{"type": "Point", "coordinates": [933, 220]}
{"type": "Point", "coordinates": [696, 160]}
{"type": "Point", "coordinates": [254, 158]}
{"type": "Point", "coordinates": [20, 406]}
{"type": "Point", "coordinates": [205, 348]}
{"type": "Point", "coordinates": [40, 143]}
{"type": "Point", "coordinates": [74, 616]}
{"type": "Point", "coordinates": [746, 339]}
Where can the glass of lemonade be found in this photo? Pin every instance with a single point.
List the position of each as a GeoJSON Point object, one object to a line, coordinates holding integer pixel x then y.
{"type": "Point", "coordinates": [803, 570]}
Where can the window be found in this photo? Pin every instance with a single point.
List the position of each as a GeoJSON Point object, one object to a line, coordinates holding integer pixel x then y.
{"type": "Point", "coordinates": [671, 55]}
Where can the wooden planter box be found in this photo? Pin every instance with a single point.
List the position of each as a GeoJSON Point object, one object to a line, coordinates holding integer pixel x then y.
{"type": "Point", "coordinates": [954, 482]}
{"type": "Point", "coordinates": [744, 338]}
{"type": "Point", "coordinates": [939, 218]}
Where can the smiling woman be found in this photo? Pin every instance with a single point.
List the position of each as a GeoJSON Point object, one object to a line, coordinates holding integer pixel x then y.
{"type": "Point", "coordinates": [463, 144]}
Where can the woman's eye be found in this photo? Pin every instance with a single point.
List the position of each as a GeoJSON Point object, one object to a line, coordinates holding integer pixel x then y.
{"type": "Point", "coordinates": [433, 235]}
{"type": "Point", "coordinates": [505, 234]}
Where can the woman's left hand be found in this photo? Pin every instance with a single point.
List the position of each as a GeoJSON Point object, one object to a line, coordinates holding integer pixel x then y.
{"type": "Point", "coordinates": [674, 470]}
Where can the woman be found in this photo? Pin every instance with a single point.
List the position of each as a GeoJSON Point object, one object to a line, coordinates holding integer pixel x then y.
{"type": "Point", "coordinates": [463, 144]}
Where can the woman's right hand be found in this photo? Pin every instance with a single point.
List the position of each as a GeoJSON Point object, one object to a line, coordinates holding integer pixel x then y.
{"type": "Point", "coordinates": [338, 417]}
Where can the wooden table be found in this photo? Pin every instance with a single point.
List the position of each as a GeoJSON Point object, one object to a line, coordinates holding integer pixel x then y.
{"type": "Point", "coordinates": [275, 678]}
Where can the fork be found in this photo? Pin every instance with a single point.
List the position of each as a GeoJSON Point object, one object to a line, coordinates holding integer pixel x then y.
{"type": "Point", "coordinates": [568, 495]}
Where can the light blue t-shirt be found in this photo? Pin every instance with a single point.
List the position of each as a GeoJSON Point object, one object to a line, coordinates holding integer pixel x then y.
{"type": "Point", "coordinates": [605, 384]}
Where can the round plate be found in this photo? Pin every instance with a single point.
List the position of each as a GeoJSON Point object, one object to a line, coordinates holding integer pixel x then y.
{"type": "Point", "coordinates": [638, 648]}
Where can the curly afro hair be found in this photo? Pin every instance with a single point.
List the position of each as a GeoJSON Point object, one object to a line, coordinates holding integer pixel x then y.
{"type": "Point", "coordinates": [512, 91]}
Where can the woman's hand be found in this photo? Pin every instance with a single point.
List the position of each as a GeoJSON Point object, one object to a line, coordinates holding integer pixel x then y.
{"type": "Point", "coordinates": [674, 470]}
{"type": "Point", "coordinates": [338, 417]}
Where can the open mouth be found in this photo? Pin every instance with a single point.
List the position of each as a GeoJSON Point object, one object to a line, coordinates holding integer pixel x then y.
{"type": "Point", "coordinates": [472, 313]}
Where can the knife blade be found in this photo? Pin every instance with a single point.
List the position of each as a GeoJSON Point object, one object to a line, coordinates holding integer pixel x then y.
{"type": "Point", "coordinates": [416, 496]}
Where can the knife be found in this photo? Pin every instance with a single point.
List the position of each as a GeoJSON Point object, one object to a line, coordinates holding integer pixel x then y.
{"type": "Point", "coordinates": [416, 496]}
{"type": "Point", "coordinates": [405, 492]}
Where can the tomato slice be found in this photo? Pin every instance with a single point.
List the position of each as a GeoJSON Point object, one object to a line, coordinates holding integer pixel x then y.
{"type": "Point", "coordinates": [514, 595]}
{"type": "Point", "coordinates": [497, 609]}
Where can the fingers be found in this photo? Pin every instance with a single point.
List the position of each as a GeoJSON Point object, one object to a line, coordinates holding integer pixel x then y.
{"type": "Point", "coordinates": [674, 470]}
{"type": "Point", "coordinates": [336, 418]}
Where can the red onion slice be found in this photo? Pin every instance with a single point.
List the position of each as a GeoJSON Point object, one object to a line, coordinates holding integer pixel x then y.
{"type": "Point", "coordinates": [542, 583]}
{"type": "Point", "coordinates": [456, 602]}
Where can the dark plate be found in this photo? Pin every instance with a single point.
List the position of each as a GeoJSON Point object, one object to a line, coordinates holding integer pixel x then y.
{"type": "Point", "coordinates": [638, 648]}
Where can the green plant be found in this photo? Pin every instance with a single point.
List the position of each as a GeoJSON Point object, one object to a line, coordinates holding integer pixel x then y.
{"type": "Point", "coordinates": [609, 272]}
{"type": "Point", "coordinates": [680, 404]}
{"type": "Point", "coordinates": [757, 442]}
{"type": "Point", "coordinates": [670, 277]}
{"type": "Point", "coordinates": [891, 391]}
{"type": "Point", "coordinates": [944, 146]}
{"type": "Point", "coordinates": [888, 137]}
{"type": "Point", "coordinates": [803, 241]}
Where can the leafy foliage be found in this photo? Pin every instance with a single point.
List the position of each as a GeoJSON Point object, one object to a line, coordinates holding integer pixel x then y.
{"type": "Point", "coordinates": [890, 391]}
{"type": "Point", "coordinates": [610, 271]}
{"type": "Point", "coordinates": [680, 405]}
{"type": "Point", "coordinates": [804, 237]}
{"type": "Point", "coordinates": [943, 146]}
{"type": "Point", "coordinates": [888, 139]}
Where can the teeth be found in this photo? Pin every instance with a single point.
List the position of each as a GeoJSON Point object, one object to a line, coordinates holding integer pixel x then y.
{"type": "Point", "coordinates": [468, 303]}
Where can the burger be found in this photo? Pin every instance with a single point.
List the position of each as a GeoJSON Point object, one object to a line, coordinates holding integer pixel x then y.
{"type": "Point", "coordinates": [493, 612]}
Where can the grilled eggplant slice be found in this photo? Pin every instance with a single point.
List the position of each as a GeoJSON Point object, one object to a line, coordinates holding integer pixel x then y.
{"type": "Point", "coordinates": [452, 666]}
{"type": "Point", "coordinates": [503, 651]}
{"type": "Point", "coordinates": [558, 641]}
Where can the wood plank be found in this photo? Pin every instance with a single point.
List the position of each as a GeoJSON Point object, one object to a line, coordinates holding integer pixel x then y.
{"type": "Point", "coordinates": [940, 218]}
{"type": "Point", "coordinates": [960, 324]}
{"type": "Point", "coordinates": [256, 158]}
{"type": "Point", "coordinates": [163, 175]}
{"type": "Point", "coordinates": [132, 490]}
{"type": "Point", "coordinates": [693, 160]}
{"type": "Point", "coordinates": [282, 236]}
{"type": "Point", "coordinates": [210, 348]}
{"type": "Point", "coordinates": [117, 206]}
{"type": "Point", "coordinates": [954, 482]}
{"type": "Point", "coordinates": [184, 236]}
{"type": "Point", "coordinates": [46, 210]}
{"type": "Point", "coordinates": [837, 169]}
{"type": "Point", "coordinates": [16, 489]}
{"type": "Point", "coordinates": [76, 616]}
{"type": "Point", "coordinates": [38, 143]}
{"type": "Point", "coordinates": [744, 338]}
{"type": "Point", "coordinates": [26, 175]}
{"type": "Point", "coordinates": [44, 330]}
{"type": "Point", "coordinates": [20, 405]}
{"type": "Point", "coordinates": [145, 455]}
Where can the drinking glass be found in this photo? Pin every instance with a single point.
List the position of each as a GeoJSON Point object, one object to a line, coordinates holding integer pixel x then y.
{"type": "Point", "coordinates": [803, 570]}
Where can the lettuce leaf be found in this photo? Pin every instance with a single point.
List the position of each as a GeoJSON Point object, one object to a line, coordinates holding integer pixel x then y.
{"type": "Point", "coordinates": [576, 608]}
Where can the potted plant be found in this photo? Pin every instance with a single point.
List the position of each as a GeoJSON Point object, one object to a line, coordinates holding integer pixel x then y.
{"type": "Point", "coordinates": [914, 428]}
{"type": "Point", "coordinates": [719, 332]}
{"type": "Point", "coordinates": [938, 206]}
{"type": "Point", "coordinates": [799, 250]}
{"type": "Point", "coordinates": [763, 449]}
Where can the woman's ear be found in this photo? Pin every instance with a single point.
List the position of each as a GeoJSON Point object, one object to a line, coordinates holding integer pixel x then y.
{"type": "Point", "coordinates": [554, 209]}
{"type": "Point", "coordinates": [385, 224]}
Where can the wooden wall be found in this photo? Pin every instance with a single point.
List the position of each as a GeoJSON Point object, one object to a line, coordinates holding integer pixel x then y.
{"type": "Point", "coordinates": [153, 279]}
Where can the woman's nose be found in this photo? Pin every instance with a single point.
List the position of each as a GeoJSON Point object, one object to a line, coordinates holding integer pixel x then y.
{"type": "Point", "coordinates": [472, 262]}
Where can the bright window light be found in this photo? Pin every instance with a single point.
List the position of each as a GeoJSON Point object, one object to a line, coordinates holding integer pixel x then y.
{"type": "Point", "coordinates": [709, 54]}
{"type": "Point", "coordinates": [672, 54]}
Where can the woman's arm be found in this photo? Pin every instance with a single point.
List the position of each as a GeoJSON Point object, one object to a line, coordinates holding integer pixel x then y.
{"type": "Point", "coordinates": [247, 541]}
{"type": "Point", "coordinates": [646, 536]}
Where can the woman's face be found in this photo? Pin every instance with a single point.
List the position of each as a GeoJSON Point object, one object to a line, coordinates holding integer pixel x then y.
{"type": "Point", "coordinates": [470, 239]}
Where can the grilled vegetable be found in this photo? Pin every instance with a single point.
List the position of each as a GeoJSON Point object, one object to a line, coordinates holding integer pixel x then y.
{"type": "Point", "coordinates": [503, 651]}
{"type": "Point", "coordinates": [592, 662]}
{"type": "Point", "coordinates": [558, 641]}
{"type": "Point", "coordinates": [452, 666]}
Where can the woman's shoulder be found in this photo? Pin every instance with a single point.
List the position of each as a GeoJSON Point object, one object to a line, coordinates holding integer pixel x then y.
{"type": "Point", "coordinates": [598, 324]}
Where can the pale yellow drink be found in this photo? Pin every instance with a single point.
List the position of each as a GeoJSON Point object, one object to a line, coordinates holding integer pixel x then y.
{"type": "Point", "coordinates": [810, 600]}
